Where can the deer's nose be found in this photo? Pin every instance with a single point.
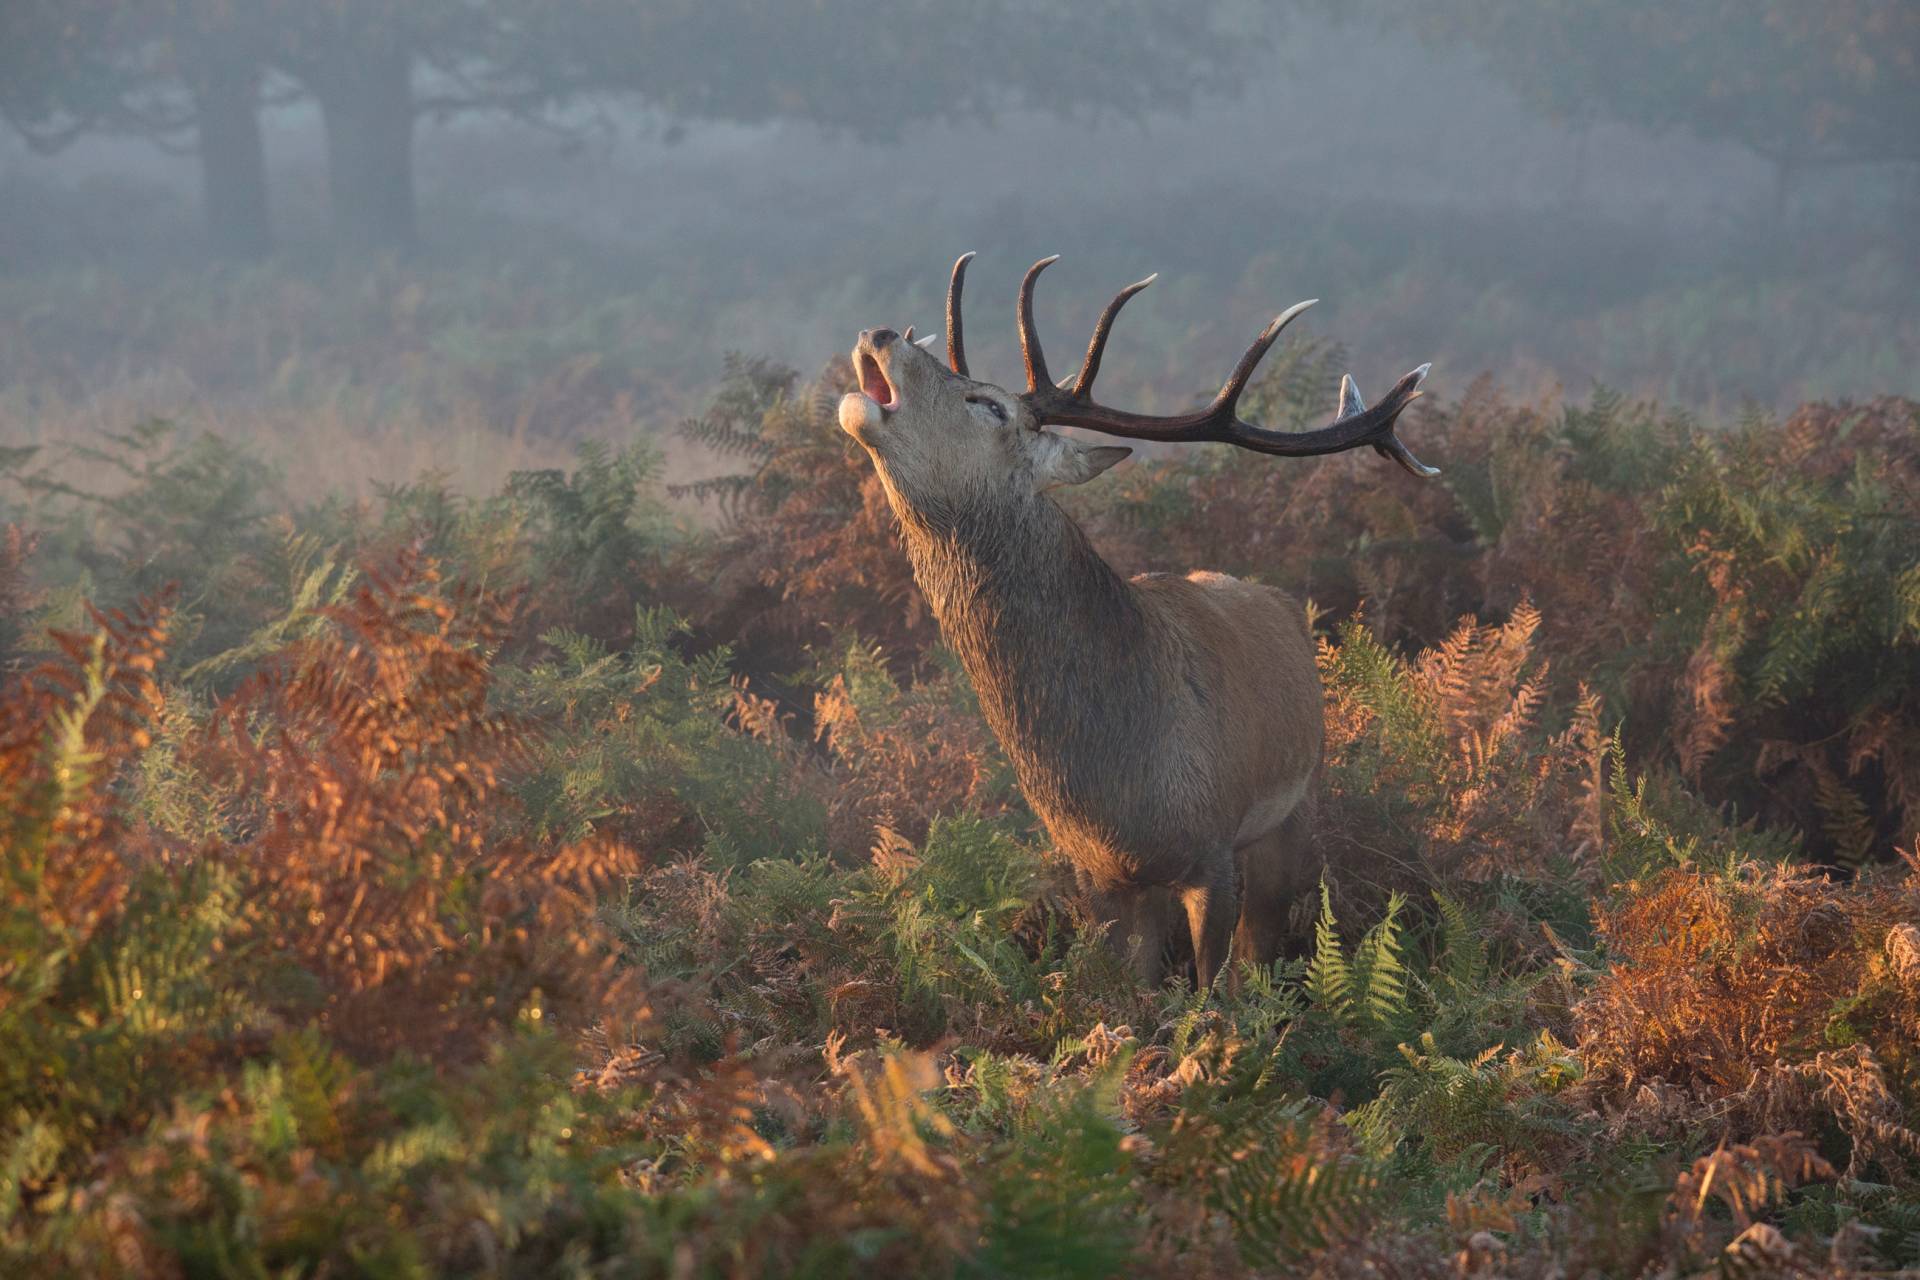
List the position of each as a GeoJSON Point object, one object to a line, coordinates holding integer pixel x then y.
{"type": "Point", "coordinates": [879, 338]}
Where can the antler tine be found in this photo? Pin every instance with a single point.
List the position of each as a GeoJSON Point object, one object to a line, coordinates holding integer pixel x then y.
{"type": "Point", "coordinates": [1090, 367]}
{"type": "Point", "coordinates": [956, 346]}
{"type": "Point", "coordinates": [1355, 425]}
{"type": "Point", "coordinates": [1243, 372]}
{"type": "Point", "coordinates": [1029, 336]}
{"type": "Point", "coordinates": [1351, 406]}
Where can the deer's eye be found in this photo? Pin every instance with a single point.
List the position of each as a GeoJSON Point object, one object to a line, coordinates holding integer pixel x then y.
{"type": "Point", "coordinates": [991, 406]}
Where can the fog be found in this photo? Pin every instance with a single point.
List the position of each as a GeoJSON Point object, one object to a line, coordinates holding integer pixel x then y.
{"type": "Point", "coordinates": [1437, 214]}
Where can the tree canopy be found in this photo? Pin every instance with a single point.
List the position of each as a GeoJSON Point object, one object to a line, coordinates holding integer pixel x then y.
{"type": "Point", "coordinates": [375, 66]}
{"type": "Point", "coordinates": [1798, 81]}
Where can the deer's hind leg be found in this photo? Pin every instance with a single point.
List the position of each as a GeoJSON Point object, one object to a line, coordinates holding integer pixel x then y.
{"type": "Point", "coordinates": [1274, 871]}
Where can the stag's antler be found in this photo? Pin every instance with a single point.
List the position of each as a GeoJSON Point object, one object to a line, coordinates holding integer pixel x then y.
{"type": "Point", "coordinates": [956, 343]}
{"type": "Point", "coordinates": [1354, 424]}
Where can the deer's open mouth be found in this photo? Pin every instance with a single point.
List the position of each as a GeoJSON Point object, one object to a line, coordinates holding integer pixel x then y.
{"type": "Point", "coordinates": [874, 383]}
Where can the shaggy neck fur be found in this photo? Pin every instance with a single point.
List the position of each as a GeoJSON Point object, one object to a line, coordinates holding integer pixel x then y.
{"type": "Point", "coordinates": [1056, 643]}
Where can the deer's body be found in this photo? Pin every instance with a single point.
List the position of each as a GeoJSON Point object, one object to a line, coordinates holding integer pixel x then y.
{"type": "Point", "coordinates": [1158, 727]}
{"type": "Point", "coordinates": [1167, 730]}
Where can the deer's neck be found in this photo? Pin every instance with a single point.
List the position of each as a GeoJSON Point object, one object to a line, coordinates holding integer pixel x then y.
{"type": "Point", "coordinates": [1055, 641]}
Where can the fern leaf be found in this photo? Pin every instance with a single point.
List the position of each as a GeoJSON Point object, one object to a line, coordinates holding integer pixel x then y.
{"type": "Point", "coordinates": [1463, 942]}
{"type": "Point", "coordinates": [1329, 977]}
{"type": "Point", "coordinates": [1292, 1191]}
{"type": "Point", "coordinates": [1380, 974]}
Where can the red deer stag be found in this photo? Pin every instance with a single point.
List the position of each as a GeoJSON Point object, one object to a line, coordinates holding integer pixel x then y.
{"type": "Point", "coordinates": [1167, 730]}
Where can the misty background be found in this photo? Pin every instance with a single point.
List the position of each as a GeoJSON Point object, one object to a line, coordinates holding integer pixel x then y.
{"type": "Point", "coordinates": [583, 269]}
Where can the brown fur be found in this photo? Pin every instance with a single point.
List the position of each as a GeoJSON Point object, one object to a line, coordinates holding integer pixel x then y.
{"type": "Point", "coordinates": [1167, 730]}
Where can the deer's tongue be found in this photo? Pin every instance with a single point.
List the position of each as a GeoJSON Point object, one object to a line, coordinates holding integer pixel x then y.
{"type": "Point", "coordinates": [874, 383]}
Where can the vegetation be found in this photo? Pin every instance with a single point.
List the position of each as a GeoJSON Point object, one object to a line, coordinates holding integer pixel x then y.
{"type": "Point", "coordinates": [197, 74]}
{"type": "Point", "coordinates": [1805, 86]}
{"type": "Point", "coordinates": [526, 883]}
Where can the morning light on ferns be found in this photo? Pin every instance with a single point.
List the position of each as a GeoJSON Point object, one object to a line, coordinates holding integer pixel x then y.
{"type": "Point", "coordinates": [824, 967]}
{"type": "Point", "coordinates": [579, 698]}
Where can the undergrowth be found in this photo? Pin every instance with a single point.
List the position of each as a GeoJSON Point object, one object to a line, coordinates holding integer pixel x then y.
{"type": "Point", "coordinates": [449, 884]}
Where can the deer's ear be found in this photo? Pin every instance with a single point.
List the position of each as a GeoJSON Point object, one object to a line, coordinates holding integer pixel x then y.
{"type": "Point", "coordinates": [1064, 461]}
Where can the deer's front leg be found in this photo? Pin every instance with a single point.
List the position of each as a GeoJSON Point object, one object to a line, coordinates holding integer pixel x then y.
{"type": "Point", "coordinates": [1213, 911]}
{"type": "Point", "coordinates": [1137, 923]}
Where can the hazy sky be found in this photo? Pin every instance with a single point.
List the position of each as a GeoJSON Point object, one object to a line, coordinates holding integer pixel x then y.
{"type": "Point", "coordinates": [1437, 216]}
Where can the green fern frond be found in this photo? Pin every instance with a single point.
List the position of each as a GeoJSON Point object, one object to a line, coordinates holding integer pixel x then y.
{"type": "Point", "coordinates": [1188, 1021]}
{"type": "Point", "coordinates": [1844, 819]}
{"type": "Point", "coordinates": [28, 1154]}
{"type": "Point", "coordinates": [315, 1078]}
{"type": "Point", "coordinates": [1291, 1191]}
{"type": "Point", "coordinates": [1379, 976]}
{"type": "Point", "coordinates": [319, 581]}
{"type": "Point", "coordinates": [1329, 981]}
{"type": "Point", "coordinates": [1463, 944]}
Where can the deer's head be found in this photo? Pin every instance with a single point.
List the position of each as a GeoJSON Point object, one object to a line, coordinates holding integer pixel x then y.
{"type": "Point", "coordinates": [938, 436]}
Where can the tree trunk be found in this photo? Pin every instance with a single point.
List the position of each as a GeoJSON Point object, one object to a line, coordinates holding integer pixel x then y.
{"type": "Point", "coordinates": [233, 160]}
{"type": "Point", "coordinates": [368, 108]}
